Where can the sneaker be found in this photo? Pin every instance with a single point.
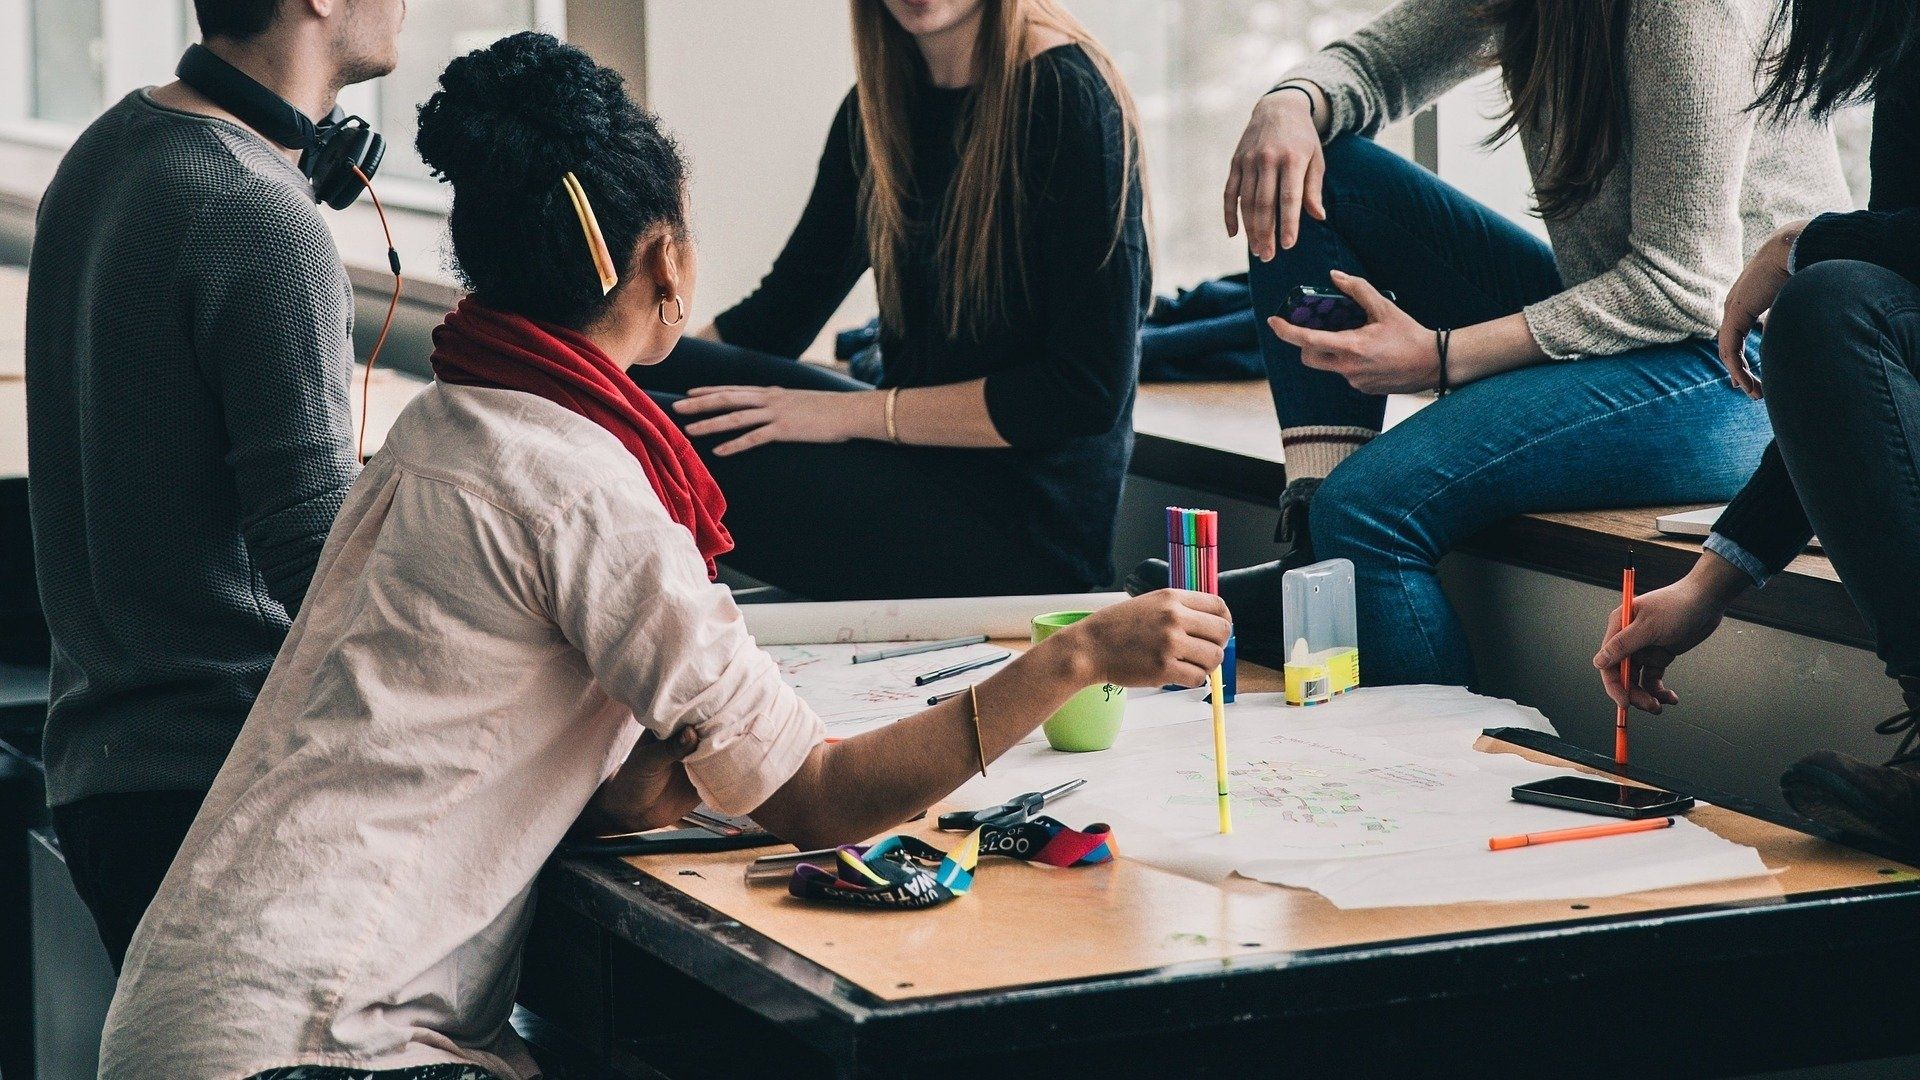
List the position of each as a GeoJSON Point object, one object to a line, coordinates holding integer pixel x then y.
{"type": "Point", "coordinates": [1880, 802]}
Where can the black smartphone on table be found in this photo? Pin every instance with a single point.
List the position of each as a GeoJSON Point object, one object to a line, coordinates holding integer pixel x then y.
{"type": "Point", "coordinates": [1325, 309]}
{"type": "Point", "coordinates": [1589, 795]}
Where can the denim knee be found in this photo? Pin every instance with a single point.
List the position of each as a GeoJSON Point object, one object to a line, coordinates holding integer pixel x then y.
{"type": "Point", "coordinates": [1353, 515]}
{"type": "Point", "coordinates": [1824, 320]}
{"type": "Point", "coordinates": [1347, 154]}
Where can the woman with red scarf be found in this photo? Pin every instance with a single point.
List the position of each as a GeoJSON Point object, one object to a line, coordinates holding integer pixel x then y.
{"type": "Point", "coordinates": [514, 624]}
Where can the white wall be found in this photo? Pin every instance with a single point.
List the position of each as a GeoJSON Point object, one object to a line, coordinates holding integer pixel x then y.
{"type": "Point", "coordinates": [750, 96]}
{"type": "Point", "coordinates": [1496, 177]}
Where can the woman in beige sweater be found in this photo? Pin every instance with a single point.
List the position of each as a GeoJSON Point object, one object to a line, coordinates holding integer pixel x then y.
{"type": "Point", "coordinates": [1583, 374]}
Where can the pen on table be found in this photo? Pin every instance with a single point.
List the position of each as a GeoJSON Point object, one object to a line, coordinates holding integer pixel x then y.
{"type": "Point", "coordinates": [1626, 666]}
{"type": "Point", "coordinates": [1019, 808]}
{"type": "Point", "coordinates": [938, 698]}
{"type": "Point", "coordinates": [917, 648]}
{"type": "Point", "coordinates": [960, 669]}
{"type": "Point", "coordinates": [1585, 832]}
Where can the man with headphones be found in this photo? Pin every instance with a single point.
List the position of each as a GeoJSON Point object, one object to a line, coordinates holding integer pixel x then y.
{"type": "Point", "coordinates": [189, 356]}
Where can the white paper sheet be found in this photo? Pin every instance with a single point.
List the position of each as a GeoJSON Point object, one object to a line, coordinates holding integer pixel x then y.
{"type": "Point", "coordinates": [910, 620]}
{"type": "Point", "coordinates": [851, 698]}
{"type": "Point", "coordinates": [1378, 796]}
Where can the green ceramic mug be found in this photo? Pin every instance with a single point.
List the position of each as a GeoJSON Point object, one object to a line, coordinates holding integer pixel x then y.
{"type": "Point", "coordinates": [1090, 720]}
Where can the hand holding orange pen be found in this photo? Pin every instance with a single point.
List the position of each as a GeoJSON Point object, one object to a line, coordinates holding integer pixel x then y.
{"type": "Point", "coordinates": [1626, 667]}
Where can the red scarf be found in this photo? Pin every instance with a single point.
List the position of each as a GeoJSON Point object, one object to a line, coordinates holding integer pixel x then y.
{"type": "Point", "coordinates": [478, 346]}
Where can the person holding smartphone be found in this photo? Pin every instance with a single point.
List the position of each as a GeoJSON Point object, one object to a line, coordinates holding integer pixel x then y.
{"type": "Point", "coordinates": [1841, 383]}
{"type": "Point", "coordinates": [1578, 373]}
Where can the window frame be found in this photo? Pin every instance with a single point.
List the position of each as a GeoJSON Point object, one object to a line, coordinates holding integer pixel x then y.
{"type": "Point", "coordinates": [128, 30]}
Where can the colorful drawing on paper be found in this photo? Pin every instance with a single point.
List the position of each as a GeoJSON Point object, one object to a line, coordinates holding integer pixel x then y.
{"type": "Point", "coordinates": [851, 698]}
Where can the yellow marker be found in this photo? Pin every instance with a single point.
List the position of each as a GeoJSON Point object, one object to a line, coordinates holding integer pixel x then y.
{"type": "Point", "coordinates": [1220, 750]}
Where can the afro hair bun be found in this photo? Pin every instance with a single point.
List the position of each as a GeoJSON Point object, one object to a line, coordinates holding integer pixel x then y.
{"type": "Point", "coordinates": [521, 112]}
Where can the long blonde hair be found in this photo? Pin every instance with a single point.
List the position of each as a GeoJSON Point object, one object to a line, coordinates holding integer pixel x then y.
{"type": "Point", "coordinates": [982, 226]}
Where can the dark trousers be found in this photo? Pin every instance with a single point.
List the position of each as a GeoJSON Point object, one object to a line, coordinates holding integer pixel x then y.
{"type": "Point", "coordinates": [118, 848]}
{"type": "Point", "coordinates": [1842, 349]}
{"type": "Point", "coordinates": [858, 520]}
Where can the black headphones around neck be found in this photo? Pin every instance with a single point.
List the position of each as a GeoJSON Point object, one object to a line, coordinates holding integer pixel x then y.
{"type": "Point", "coordinates": [330, 150]}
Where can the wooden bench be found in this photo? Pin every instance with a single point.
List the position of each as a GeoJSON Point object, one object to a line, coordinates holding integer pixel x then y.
{"type": "Point", "coordinates": [1221, 439]}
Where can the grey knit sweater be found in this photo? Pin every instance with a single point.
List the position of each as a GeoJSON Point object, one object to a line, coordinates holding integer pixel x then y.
{"type": "Point", "coordinates": [188, 364]}
{"type": "Point", "coordinates": [1702, 184]}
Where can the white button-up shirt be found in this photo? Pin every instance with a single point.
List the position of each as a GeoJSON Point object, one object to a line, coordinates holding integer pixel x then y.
{"type": "Point", "coordinates": [502, 606]}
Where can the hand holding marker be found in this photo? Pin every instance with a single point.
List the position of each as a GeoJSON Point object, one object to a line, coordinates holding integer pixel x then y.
{"type": "Point", "coordinates": [1193, 551]}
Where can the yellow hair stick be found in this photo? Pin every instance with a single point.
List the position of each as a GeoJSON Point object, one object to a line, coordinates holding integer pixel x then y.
{"type": "Point", "coordinates": [603, 264]}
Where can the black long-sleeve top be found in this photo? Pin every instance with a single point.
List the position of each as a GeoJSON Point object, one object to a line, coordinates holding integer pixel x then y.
{"type": "Point", "coordinates": [1060, 370]}
{"type": "Point", "coordinates": [1765, 524]}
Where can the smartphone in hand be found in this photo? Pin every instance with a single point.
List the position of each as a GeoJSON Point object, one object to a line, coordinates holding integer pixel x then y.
{"type": "Point", "coordinates": [1325, 309]}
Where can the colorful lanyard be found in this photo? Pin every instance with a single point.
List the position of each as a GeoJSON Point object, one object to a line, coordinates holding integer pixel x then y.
{"type": "Point", "coordinates": [908, 872]}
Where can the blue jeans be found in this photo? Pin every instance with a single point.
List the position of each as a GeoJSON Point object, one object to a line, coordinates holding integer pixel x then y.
{"type": "Point", "coordinates": [1650, 426]}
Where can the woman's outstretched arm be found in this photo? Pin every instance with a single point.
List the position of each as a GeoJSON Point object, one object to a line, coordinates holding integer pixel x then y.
{"type": "Point", "coordinates": [848, 791]}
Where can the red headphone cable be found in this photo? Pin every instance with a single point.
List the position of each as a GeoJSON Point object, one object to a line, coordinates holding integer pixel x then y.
{"type": "Point", "coordinates": [393, 305]}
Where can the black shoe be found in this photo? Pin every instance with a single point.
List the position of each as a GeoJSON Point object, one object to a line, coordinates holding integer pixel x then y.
{"type": "Point", "coordinates": [1880, 802]}
{"type": "Point", "coordinates": [1292, 530]}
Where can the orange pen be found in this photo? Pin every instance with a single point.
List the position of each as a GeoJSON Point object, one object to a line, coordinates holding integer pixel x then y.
{"type": "Point", "coordinates": [1626, 665]}
{"type": "Point", "coordinates": [1585, 832]}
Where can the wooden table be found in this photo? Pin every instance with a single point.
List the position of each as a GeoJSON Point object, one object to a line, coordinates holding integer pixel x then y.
{"type": "Point", "coordinates": [673, 965]}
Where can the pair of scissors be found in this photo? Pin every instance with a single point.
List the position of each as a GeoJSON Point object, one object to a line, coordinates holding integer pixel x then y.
{"type": "Point", "coordinates": [1012, 812]}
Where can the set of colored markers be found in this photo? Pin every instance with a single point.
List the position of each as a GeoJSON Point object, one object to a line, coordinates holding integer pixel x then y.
{"type": "Point", "coordinates": [1193, 551]}
{"type": "Point", "coordinates": [1193, 548]}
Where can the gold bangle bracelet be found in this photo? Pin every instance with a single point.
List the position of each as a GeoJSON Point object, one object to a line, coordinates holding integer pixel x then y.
{"type": "Point", "coordinates": [979, 744]}
{"type": "Point", "coordinates": [893, 432]}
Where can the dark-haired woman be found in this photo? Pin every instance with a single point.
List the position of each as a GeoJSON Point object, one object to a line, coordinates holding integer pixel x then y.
{"type": "Point", "coordinates": [1582, 373]}
{"type": "Point", "coordinates": [984, 168]}
{"type": "Point", "coordinates": [1841, 294]}
{"type": "Point", "coordinates": [514, 621]}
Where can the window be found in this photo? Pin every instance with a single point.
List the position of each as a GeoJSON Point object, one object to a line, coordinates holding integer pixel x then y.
{"type": "Point", "coordinates": [436, 32]}
{"type": "Point", "coordinates": [69, 60]}
{"type": "Point", "coordinates": [1195, 68]}
{"type": "Point", "coordinates": [64, 61]}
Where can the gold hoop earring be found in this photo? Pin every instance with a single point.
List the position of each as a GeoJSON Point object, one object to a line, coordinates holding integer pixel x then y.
{"type": "Point", "coordinates": [680, 311]}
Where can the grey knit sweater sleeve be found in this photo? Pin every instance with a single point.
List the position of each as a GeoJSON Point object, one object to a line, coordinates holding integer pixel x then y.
{"type": "Point", "coordinates": [1702, 182]}
{"type": "Point", "coordinates": [1397, 64]}
{"type": "Point", "coordinates": [265, 345]}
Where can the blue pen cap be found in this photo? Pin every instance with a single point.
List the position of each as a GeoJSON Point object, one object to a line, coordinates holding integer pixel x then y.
{"type": "Point", "coordinates": [1230, 670]}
